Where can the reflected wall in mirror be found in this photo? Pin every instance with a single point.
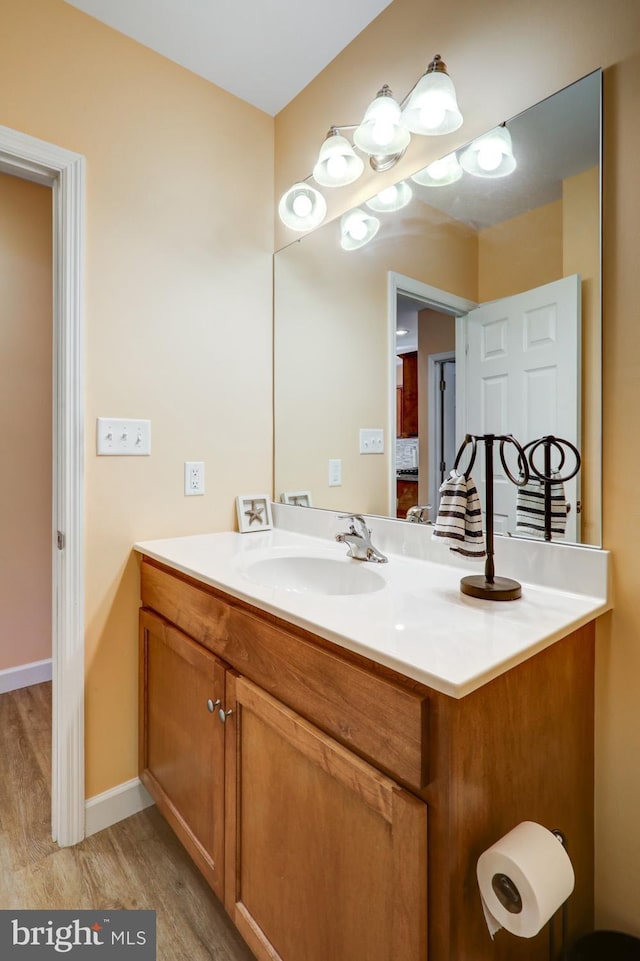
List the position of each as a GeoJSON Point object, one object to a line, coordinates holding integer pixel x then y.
{"type": "Point", "coordinates": [497, 283]}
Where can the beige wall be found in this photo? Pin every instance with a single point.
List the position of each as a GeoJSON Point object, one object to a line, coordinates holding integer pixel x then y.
{"type": "Point", "coordinates": [581, 255]}
{"type": "Point", "coordinates": [520, 253]}
{"type": "Point", "coordinates": [25, 422]}
{"type": "Point", "coordinates": [505, 55]}
{"type": "Point", "coordinates": [178, 309]}
{"type": "Point", "coordinates": [331, 349]}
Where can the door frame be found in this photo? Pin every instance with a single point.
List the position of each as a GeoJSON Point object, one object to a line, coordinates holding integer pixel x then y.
{"type": "Point", "coordinates": [435, 298]}
{"type": "Point", "coordinates": [64, 171]}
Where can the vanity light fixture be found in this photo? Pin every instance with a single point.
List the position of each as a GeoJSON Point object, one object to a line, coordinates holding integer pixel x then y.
{"type": "Point", "coordinates": [302, 207]}
{"type": "Point", "coordinates": [357, 228]}
{"type": "Point", "coordinates": [432, 107]}
{"type": "Point", "coordinates": [338, 164]}
{"type": "Point", "coordinates": [490, 155]}
{"type": "Point", "coordinates": [439, 173]}
{"type": "Point", "coordinates": [392, 198]}
{"type": "Point", "coordinates": [381, 134]}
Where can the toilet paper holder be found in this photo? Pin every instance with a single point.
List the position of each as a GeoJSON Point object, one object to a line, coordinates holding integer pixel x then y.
{"type": "Point", "coordinates": [564, 914]}
{"type": "Point", "coordinates": [509, 897]}
{"type": "Point", "coordinates": [507, 893]}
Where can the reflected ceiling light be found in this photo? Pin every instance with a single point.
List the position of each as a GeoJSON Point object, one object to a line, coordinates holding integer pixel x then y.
{"type": "Point", "coordinates": [302, 207]}
{"type": "Point", "coordinates": [381, 135]}
{"type": "Point", "coordinates": [401, 332]}
{"type": "Point", "coordinates": [357, 228]}
{"type": "Point", "coordinates": [392, 198]}
{"type": "Point", "coordinates": [337, 164]}
{"type": "Point", "coordinates": [490, 155]}
{"type": "Point", "coordinates": [384, 135]}
{"type": "Point", "coordinates": [432, 107]}
{"type": "Point", "coordinates": [439, 173]}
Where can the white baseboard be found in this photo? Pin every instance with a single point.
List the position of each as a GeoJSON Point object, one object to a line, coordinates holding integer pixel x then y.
{"type": "Point", "coordinates": [13, 678]}
{"type": "Point", "coordinates": [103, 810]}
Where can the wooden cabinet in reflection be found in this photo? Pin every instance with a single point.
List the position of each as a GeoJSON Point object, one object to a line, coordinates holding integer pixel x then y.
{"type": "Point", "coordinates": [407, 397]}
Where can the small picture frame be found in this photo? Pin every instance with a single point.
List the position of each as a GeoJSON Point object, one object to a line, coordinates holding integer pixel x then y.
{"type": "Point", "coordinates": [254, 512]}
{"type": "Point", "coordinates": [297, 498]}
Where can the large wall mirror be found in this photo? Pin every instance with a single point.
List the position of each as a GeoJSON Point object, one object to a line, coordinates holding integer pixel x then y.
{"type": "Point", "coordinates": [474, 308]}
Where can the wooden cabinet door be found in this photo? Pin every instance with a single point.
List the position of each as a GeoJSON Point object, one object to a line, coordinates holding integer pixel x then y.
{"type": "Point", "coordinates": [325, 856]}
{"type": "Point", "coordinates": [410, 394]}
{"type": "Point", "coordinates": [182, 740]}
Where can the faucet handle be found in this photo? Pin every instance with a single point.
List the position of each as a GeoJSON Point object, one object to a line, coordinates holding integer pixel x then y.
{"type": "Point", "coordinates": [357, 523]}
{"type": "Point", "coordinates": [419, 514]}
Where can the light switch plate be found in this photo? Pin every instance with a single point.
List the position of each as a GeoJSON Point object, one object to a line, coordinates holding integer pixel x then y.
{"type": "Point", "coordinates": [123, 437]}
{"type": "Point", "coordinates": [371, 440]}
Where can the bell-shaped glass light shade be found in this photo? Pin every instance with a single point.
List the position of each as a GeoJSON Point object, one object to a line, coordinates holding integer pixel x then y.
{"type": "Point", "coordinates": [490, 155]}
{"type": "Point", "coordinates": [439, 173]}
{"type": "Point", "coordinates": [381, 133]}
{"type": "Point", "coordinates": [432, 107]}
{"type": "Point", "coordinates": [302, 207]}
{"type": "Point", "coordinates": [392, 198]}
{"type": "Point", "coordinates": [357, 228]}
{"type": "Point", "coordinates": [338, 164]}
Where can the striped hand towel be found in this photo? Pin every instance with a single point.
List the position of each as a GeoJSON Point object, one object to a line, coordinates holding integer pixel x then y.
{"type": "Point", "coordinates": [459, 520]}
{"type": "Point", "coordinates": [530, 508]}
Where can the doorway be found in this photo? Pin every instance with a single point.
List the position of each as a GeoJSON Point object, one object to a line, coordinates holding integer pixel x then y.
{"type": "Point", "coordinates": [441, 386]}
{"type": "Point", "coordinates": [25, 423]}
{"type": "Point", "coordinates": [64, 172]}
{"type": "Point", "coordinates": [437, 322]}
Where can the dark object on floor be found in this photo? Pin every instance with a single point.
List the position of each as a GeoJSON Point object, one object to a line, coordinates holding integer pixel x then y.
{"type": "Point", "coordinates": [606, 946]}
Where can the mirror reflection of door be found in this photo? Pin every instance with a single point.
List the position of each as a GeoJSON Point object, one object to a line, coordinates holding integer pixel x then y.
{"type": "Point", "coordinates": [519, 373]}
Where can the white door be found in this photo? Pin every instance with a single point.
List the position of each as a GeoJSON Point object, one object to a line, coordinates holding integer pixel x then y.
{"type": "Point", "coordinates": [521, 362]}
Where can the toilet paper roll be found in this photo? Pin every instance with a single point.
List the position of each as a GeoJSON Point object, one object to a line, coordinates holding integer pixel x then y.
{"type": "Point", "coordinates": [524, 878]}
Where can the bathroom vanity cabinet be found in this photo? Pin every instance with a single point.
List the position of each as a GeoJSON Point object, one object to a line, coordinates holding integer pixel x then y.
{"type": "Point", "coordinates": [337, 807]}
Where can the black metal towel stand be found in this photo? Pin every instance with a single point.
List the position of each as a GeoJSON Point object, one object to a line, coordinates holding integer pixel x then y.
{"type": "Point", "coordinates": [489, 587]}
{"type": "Point", "coordinates": [547, 474]}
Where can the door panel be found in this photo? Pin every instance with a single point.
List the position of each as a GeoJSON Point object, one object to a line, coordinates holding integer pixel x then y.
{"type": "Point", "coordinates": [326, 857]}
{"type": "Point", "coordinates": [182, 740]}
{"type": "Point", "coordinates": [522, 376]}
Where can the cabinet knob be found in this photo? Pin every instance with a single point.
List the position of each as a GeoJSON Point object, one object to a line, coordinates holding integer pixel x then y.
{"type": "Point", "coordinates": [212, 705]}
{"type": "Point", "coordinates": [223, 715]}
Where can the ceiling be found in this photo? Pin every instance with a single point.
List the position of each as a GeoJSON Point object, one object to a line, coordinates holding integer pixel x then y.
{"type": "Point", "coordinates": [263, 51]}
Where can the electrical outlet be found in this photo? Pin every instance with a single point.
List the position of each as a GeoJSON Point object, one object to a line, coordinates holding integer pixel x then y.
{"type": "Point", "coordinates": [371, 440]}
{"type": "Point", "coordinates": [193, 477]}
{"type": "Point", "coordinates": [335, 473]}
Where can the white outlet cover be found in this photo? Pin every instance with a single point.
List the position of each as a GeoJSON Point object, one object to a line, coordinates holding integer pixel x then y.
{"type": "Point", "coordinates": [335, 472]}
{"type": "Point", "coordinates": [193, 478]}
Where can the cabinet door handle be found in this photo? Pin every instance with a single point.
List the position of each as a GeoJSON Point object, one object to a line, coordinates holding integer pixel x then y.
{"type": "Point", "coordinates": [223, 715]}
{"type": "Point", "coordinates": [212, 705]}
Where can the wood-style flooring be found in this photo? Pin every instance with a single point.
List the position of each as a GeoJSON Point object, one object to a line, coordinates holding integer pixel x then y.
{"type": "Point", "coordinates": [137, 863]}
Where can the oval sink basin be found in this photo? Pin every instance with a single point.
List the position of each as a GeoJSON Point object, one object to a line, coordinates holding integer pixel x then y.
{"type": "Point", "coordinates": [314, 575]}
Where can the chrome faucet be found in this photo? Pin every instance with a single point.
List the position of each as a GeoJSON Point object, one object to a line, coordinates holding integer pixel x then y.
{"type": "Point", "coordinates": [358, 538]}
{"type": "Point", "coordinates": [419, 514]}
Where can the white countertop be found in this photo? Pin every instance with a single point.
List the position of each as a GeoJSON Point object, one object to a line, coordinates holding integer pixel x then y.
{"type": "Point", "coordinates": [419, 623]}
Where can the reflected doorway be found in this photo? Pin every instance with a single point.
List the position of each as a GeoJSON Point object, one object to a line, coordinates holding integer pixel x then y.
{"type": "Point", "coordinates": [425, 358]}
